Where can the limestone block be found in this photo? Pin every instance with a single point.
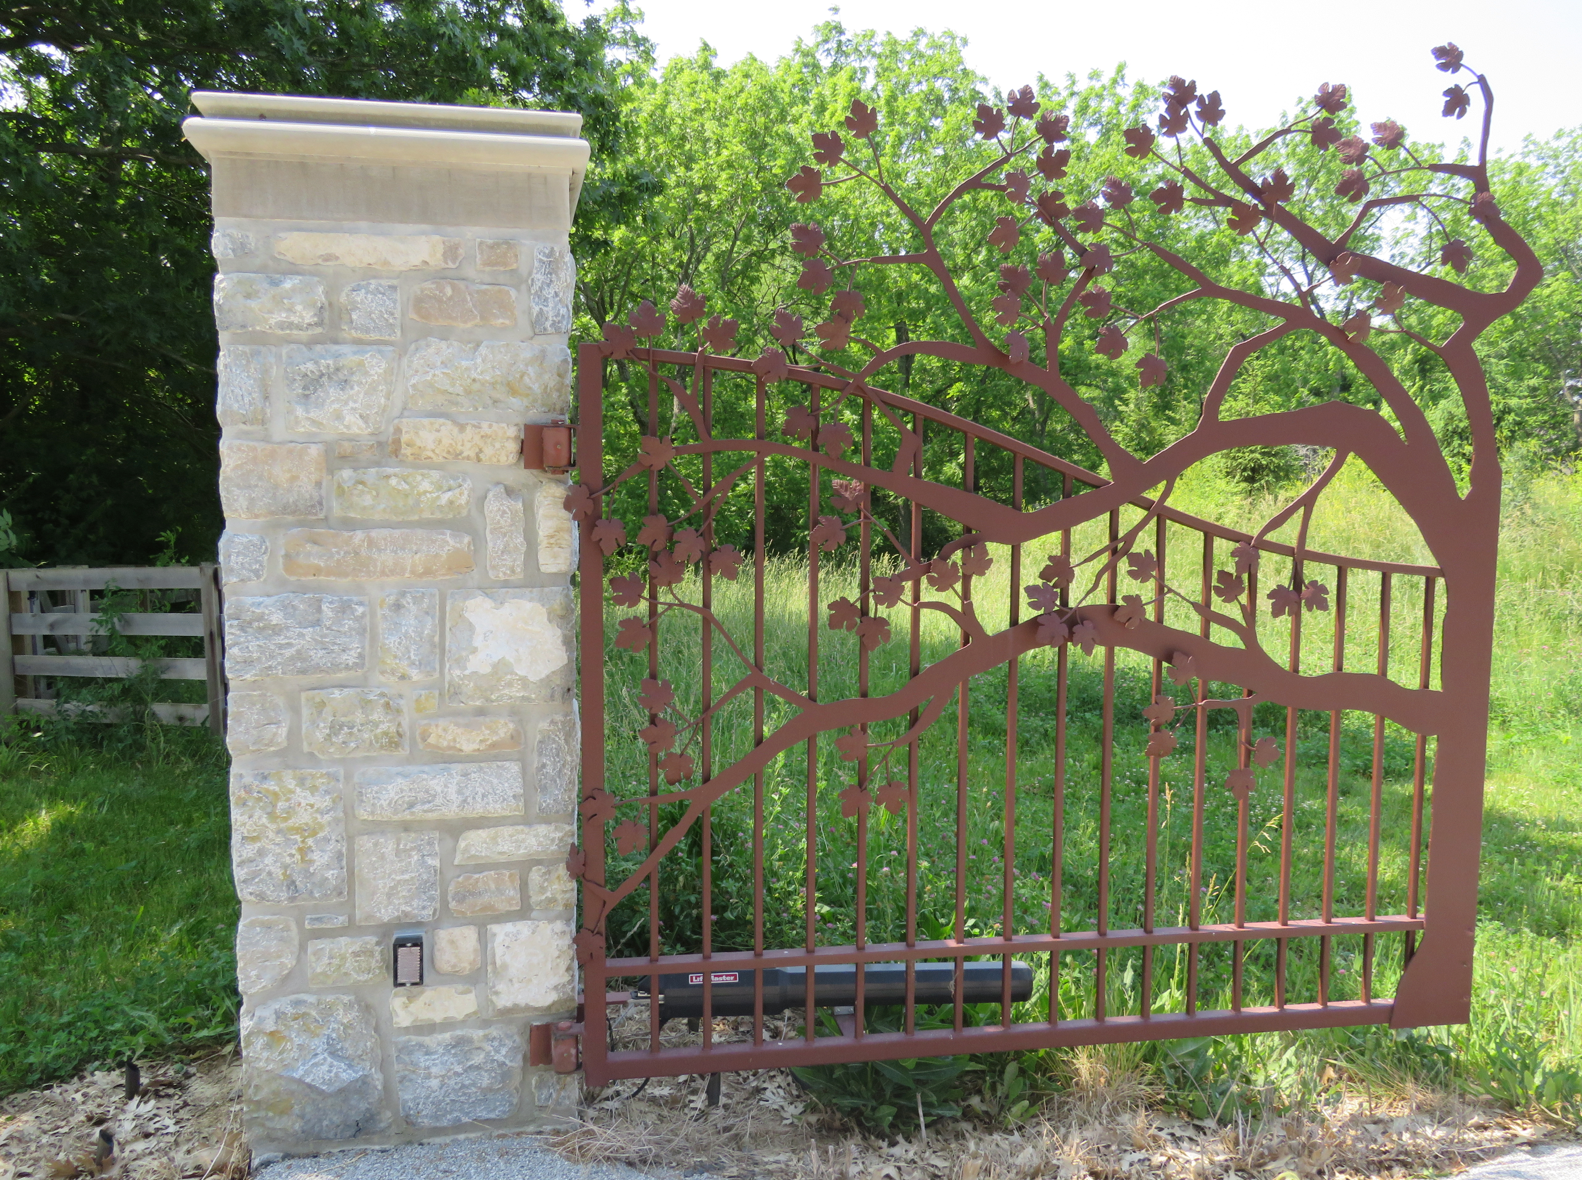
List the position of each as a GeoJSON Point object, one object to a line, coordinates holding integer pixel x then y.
{"type": "Point", "coordinates": [352, 722]}
{"type": "Point", "coordinates": [512, 842]}
{"type": "Point", "coordinates": [295, 635]}
{"type": "Point", "coordinates": [244, 557]}
{"type": "Point", "coordinates": [338, 388]}
{"type": "Point", "coordinates": [426, 701]}
{"type": "Point", "coordinates": [459, 1077]}
{"type": "Point", "coordinates": [397, 877]}
{"type": "Point", "coordinates": [244, 373]}
{"type": "Point", "coordinates": [456, 950]}
{"type": "Point", "coordinates": [288, 836]}
{"type": "Point", "coordinates": [400, 493]}
{"type": "Point", "coordinates": [498, 891]}
{"type": "Point", "coordinates": [325, 921]}
{"type": "Point", "coordinates": [463, 305]}
{"type": "Point", "coordinates": [356, 449]}
{"type": "Point", "coordinates": [550, 887]}
{"type": "Point", "coordinates": [484, 735]}
{"type": "Point", "coordinates": [260, 481]}
{"type": "Point", "coordinates": [561, 1091]}
{"type": "Point", "coordinates": [554, 279]}
{"type": "Point", "coordinates": [367, 554]}
{"type": "Point", "coordinates": [232, 243]}
{"type": "Point", "coordinates": [440, 790]}
{"type": "Point", "coordinates": [371, 251]}
{"type": "Point", "coordinates": [557, 755]}
{"type": "Point", "coordinates": [498, 254]}
{"type": "Point", "coordinates": [507, 645]}
{"type": "Point", "coordinates": [497, 375]}
{"type": "Point", "coordinates": [530, 967]}
{"type": "Point", "coordinates": [255, 723]}
{"type": "Point", "coordinates": [431, 1005]}
{"type": "Point", "coordinates": [557, 534]}
{"type": "Point", "coordinates": [371, 309]}
{"type": "Point", "coordinates": [409, 635]}
{"type": "Point", "coordinates": [268, 303]}
{"type": "Point", "coordinates": [311, 1071]}
{"type": "Point", "coordinates": [439, 440]}
{"type": "Point", "coordinates": [505, 533]}
{"type": "Point", "coordinates": [266, 951]}
{"type": "Point", "coordinates": [347, 962]}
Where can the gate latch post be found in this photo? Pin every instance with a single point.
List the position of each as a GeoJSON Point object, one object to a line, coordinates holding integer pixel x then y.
{"type": "Point", "coordinates": [546, 446]}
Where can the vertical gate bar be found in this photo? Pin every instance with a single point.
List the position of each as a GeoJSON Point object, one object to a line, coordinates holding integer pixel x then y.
{"type": "Point", "coordinates": [1376, 795]}
{"type": "Point", "coordinates": [653, 756]}
{"type": "Point", "coordinates": [759, 477]}
{"type": "Point", "coordinates": [1288, 812]}
{"type": "Point", "coordinates": [1199, 773]}
{"type": "Point", "coordinates": [810, 899]}
{"type": "Point", "coordinates": [1008, 918]}
{"type": "Point", "coordinates": [590, 593]}
{"type": "Point", "coordinates": [704, 384]}
{"type": "Point", "coordinates": [1332, 790]}
{"type": "Point", "coordinates": [962, 769]}
{"type": "Point", "coordinates": [1420, 765]}
{"type": "Point", "coordinates": [1062, 670]}
{"type": "Point", "coordinates": [1243, 812]}
{"type": "Point", "coordinates": [1151, 837]}
{"type": "Point", "coordinates": [913, 786]}
{"type": "Point", "coordinates": [864, 568]}
{"type": "Point", "coordinates": [1106, 770]}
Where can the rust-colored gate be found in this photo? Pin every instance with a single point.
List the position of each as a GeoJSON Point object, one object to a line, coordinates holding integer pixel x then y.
{"type": "Point", "coordinates": [999, 753]}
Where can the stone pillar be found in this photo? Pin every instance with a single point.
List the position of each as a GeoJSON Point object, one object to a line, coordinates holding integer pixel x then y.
{"type": "Point", "coordinates": [393, 302]}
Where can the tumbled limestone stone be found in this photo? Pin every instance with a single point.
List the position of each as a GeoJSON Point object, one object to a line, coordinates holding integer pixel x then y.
{"type": "Point", "coordinates": [397, 877]}
{"type": "Point", "coordinates": [255, 723]}
{"type": "Point", "coordinates": [498, 254]}
{"type": "Point", "coordinates": [498, 891]}
{"type": "Point", "coordinates": [400, 493]}
{"type": "Point", "coordinates": [288, 836]}
{"type": "Point", "coordinates": [463, 305]}
{"type": "Point", "coordinates": [432, 1005]}
{"type": "Point", "coordinates": [505, 532]}
{"type": "Point", "coordinates": [365, 554]}
{"type": "Point", "coordinates": [311, 1071]}
{"type": "Point", "coordinates": [325, 921]}
{"type": "Point", "coordinates": [560, 1091]}
{"type": "Point", "coordinates": [338, 388]}
{"type": "Point", "coordinates": [356, 449]}
{"type": "Point", "coordinates": [268, 303]}
{"type": "Point", "coordinates": [371, 251]}
{"type": "Point", "coordinates": [266, 951]}
{"type": "Point", "coordinates": [557, 535]}
{"type": "Point", "coordinates": [507, 645]}
{"type": "Point", "coordinates": [530, 967]}
{"type": "Point", "coordinates": [440, 790]}
{"type": "Point", "coordinates": [456, 950]}
{"type": "Point", "coordinates": [485, 735]}
{"type": "Point", "coordinates": [409, 635]}
{"type": "Point", "coordinates": [260, 481]}
{"type": "Point", "coordinates": [244, 557]}
{"type": "Point", "coordinates": [242, 393]}
{"type": "Point", "coordinates": [372, 310]}
{"type": "Point", "coordinates": [512, 842]}
{"type": "Point", "coordinates": [439, 440]}
{"type": "Point", "coordinates": [352, 722]}
{"type": "Point", "coordinates": [497, 375]}
{"type": "Point", "coordinates": [459, 1077]}
{"type": "Point", "coordinates": [424, 702]}
{"type": "Point", "coordinates": [554, 278]}
{"type": "Point", "coordinates": [557, 751]}
{"type": "Point", "coordinates": [295, 635]}
{"type": "Point", "coordinates": [232, 243]}
{"type": "Point", "coordinates": [550, 887]}
{"type": "Point", "coordinates": [347, 962]}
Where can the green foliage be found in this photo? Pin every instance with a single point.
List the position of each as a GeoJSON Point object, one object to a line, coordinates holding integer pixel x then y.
{"type": "Point", "coordinates": [107, 343]}
{"type": "Point", "coordinates": [887, 1096]}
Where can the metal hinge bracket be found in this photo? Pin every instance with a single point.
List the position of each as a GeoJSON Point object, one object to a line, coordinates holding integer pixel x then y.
{"type": "Point", "coordinates": [546, 447]}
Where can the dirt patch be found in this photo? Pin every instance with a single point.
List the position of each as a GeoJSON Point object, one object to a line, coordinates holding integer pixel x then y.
{"type": "Point", "coordinates": [185, 1121]}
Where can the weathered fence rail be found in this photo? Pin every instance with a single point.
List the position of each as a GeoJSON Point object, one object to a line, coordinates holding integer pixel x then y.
{"type": "Point", "coordinates": [51, 622]}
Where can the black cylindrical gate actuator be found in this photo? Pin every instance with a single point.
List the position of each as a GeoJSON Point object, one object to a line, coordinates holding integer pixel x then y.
{"type": "Point", "coordinates": [835, 986]}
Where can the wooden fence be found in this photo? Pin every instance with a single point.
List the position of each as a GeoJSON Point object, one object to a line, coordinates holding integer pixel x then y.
{"type": "Point", "coordinates": [55, 605]}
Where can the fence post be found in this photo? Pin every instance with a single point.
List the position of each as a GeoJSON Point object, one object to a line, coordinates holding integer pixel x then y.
{"type": "Point", "coordinates": [7, 676]}
{"type": "Point", "coordinates": [209, 601]}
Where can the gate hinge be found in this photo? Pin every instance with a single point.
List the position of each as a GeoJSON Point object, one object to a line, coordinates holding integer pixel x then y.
{"type": "Point", "coordinates": [546, 447]}
{"type": "Point", "coordinates": [558, 1044]}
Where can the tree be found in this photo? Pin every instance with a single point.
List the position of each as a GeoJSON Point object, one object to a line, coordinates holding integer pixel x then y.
{"type": "Point", "coordinates": [107, 345]}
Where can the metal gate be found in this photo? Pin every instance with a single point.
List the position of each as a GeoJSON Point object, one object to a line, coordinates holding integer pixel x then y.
{"type": "Point", "coordinates": [1004, 754]}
